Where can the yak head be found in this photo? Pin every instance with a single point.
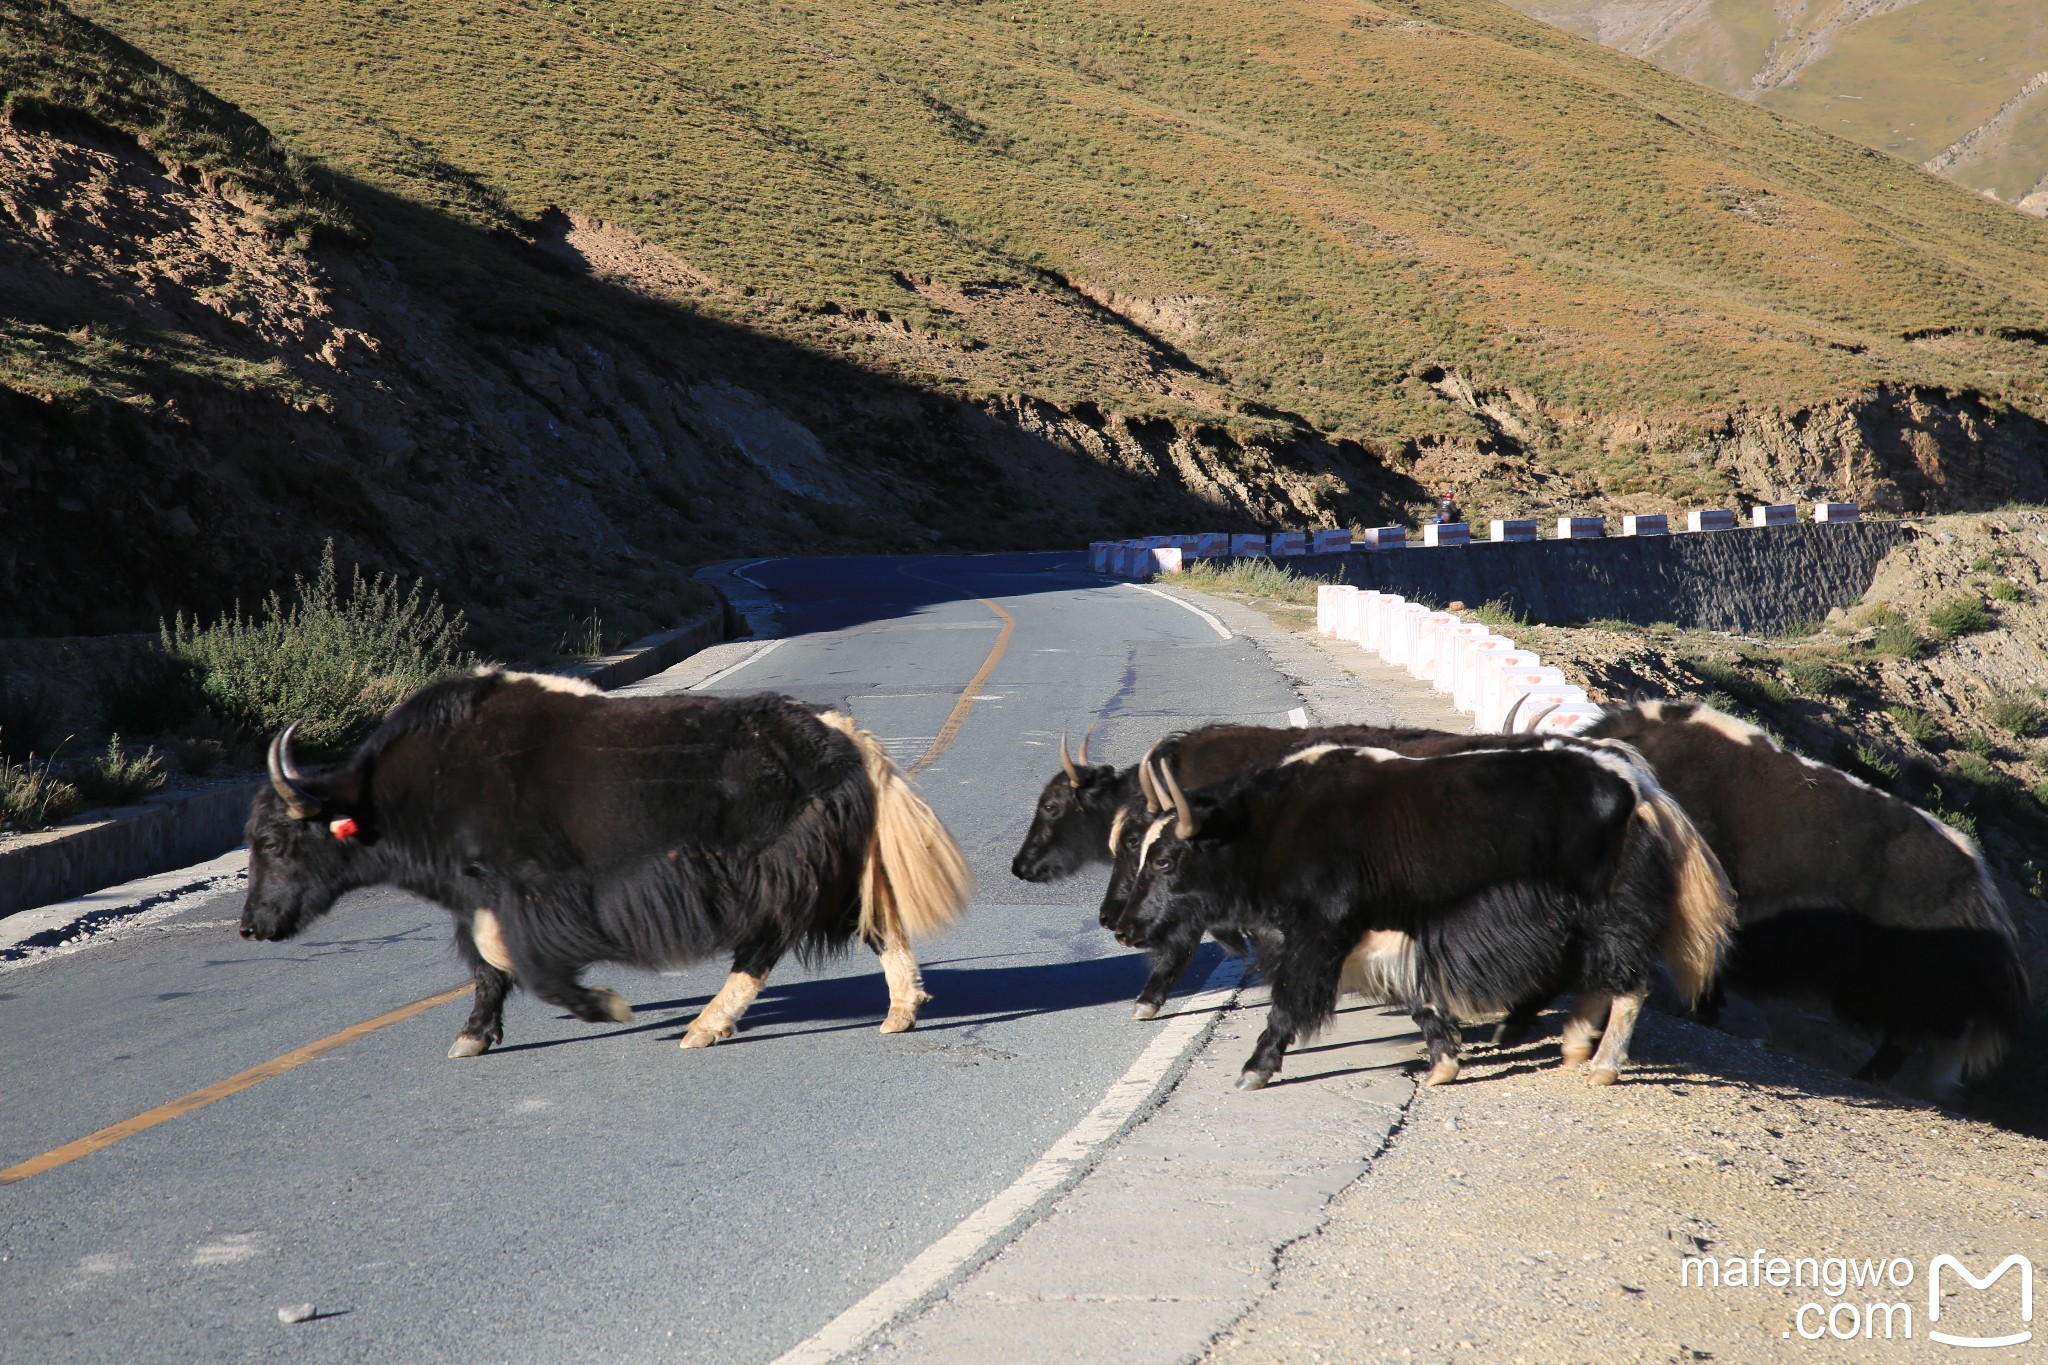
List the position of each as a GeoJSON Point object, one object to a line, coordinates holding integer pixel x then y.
{"type": "Point", "coordinates": [1070, 827]}
{"type": "Point", "coordinates": [1169, 870]}
{"type": "Point", "coordinates": [308, 838]}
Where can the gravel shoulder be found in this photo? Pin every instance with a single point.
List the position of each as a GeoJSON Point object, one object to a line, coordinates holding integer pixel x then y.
{"type": "Point", "coordinates": [1520, 1215]}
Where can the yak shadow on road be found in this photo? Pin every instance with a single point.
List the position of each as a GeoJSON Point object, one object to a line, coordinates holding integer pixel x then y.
{"type": "Point", "coordinates": [962, 997]}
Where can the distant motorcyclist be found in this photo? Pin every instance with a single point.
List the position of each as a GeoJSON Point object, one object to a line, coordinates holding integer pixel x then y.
{"type": "Point", "coordinates": [1448, 513]}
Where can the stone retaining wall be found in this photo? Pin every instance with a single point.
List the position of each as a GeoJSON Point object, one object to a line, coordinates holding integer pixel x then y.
{"type": "Point", "coordinates": [1751, 580]}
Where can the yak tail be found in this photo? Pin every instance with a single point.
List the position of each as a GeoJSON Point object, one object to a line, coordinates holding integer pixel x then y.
{"type": "Point", "coordinates": [916, 879]}
{"type": "Point", "coordinates": [1701, 925]}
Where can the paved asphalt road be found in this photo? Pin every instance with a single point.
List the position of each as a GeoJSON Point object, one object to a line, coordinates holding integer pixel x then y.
{"type": "Point", "coordinates": [590, 1192]}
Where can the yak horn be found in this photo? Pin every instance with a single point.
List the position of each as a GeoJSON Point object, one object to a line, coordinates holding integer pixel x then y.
{"type": "Point", "coordinates": [1153, 805]}
{"type": "Point", "coordinates": [286, 779]}
{"type": "Point", "coordinates": [1184, 825]}
{"type": "Point", "coordinates": [1067, 764]}
{"type": "Point", "coordinates": [1082, 756]}
{"type": "Point", "coordinates": [1537, 719]}
{"type": "Point", "coordinates": [1507, 723]}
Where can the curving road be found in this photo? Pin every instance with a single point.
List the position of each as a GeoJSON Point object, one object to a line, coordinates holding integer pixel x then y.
{"type": "Point", "coordinates": [595, 1192]}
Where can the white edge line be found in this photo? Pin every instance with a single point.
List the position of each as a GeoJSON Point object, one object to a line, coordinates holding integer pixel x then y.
{"type": "Point", "coordinates": [1064, 1162]}
{"type": "Point", "coordinates": [741, 572]}
{"type": "Point", "coordinates": [1214, 624]}
{"type": "Point", "coordinates": [731, 668]}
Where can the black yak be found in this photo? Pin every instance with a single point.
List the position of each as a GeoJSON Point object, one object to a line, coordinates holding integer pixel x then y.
{"type": "Point", "coordinates": [1844, 895]}
{"type": "Point", "coordinates": [1456, 885]}
{"type": "Point", "coordinates": [1085, 808]}
{"type": "Point", "coordinates": [563, 828]}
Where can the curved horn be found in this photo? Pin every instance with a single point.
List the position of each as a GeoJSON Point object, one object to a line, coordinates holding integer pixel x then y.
{"type": "Point", "coordinates": [286, 779]}
{"type": "Point", "coordinates": [1082, 757]}
{"type": "Point", "coordinates": [1067, 764]}
{"type": "Point", "coordinates": [1153, 805]}
{"type": "Point", "coordinates": [1184, 825]}
{"type": "Point", "coordinates": [1507, 723]}
{"type": "Point", "coordinates": [1537, 719]}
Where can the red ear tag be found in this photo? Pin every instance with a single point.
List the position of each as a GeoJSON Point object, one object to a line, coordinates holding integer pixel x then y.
{"type": "Point", "coordinates": [343, 829]}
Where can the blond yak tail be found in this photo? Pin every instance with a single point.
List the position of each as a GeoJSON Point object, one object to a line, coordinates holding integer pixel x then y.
{"type": "Point", "coordinates": [916, 881]}
{"type": "Point", "coordinates": [1702, 922]}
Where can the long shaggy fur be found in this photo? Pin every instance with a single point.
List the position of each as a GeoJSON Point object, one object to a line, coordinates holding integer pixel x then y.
{"type": "Point", "coordinates": [915, 876]}
{"type": "Point", "coordinates": [1844, 894]}
{"type": "Point", "coordinates": [648, 830]}
{"type": "Point", "coordinates": [1340, 868]}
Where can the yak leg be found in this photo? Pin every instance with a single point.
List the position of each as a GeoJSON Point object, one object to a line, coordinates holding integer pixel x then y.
{"type": "Point", "coordinates": [1584, 1026]}
{"type": "Point", "coordinates": [1515, 1029]}
{"type": "Point", "coordinates": [1169, 959]}
{"type": "Point", "coordinates": [1305, 980]}
{"type": "Point", "coordinates": [1440, 1035]}
{"type": "Point", "coordinates": [1892, 1052]}
{"type": "Point", "coordinates": [751, 963]}
{"type": "Point", "coordinates": [484, 950]}
{"type": "Point", "coordinates": [906, 984]}
{"type": "Point", "coordinates": [1613, 1053]}
{"type": "Point", "coordinates": [593, 1005]}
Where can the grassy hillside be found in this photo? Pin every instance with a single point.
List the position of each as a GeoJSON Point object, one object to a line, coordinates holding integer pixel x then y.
{"type": "Point", "coordinates": [1314, 201]}
{"type": "Point", "coordinates": [1939, 82]}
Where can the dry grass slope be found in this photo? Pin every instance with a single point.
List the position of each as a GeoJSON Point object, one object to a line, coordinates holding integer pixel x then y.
{"type": "Point", "coordinates": [1324, 207]}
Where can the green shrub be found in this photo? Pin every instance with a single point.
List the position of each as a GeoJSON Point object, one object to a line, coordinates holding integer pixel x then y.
{"type": "Point", "coordinates": [1721, 701]}
{"type": "Point", "coordinates": [2005, 590]}
{"type": "Point", "coordinates": [1983, 564]}
{"type": "Point", "coordinates": [1799, 630]}
{"type": "Point", "coordinates": [1983, 746]}
{"type": "Point", "coordinates": [116, 778]}
{"type": "Point", "coordinates": [1723, 677]}
{"type": "Point", "coordinates": [2040, 790]}
{"type": "Point", "coordinates": [1958, 617]}
{"type": "Point", "coordinates": [1976, 769]}
{"type": "Point", "coordinates": [1915, 724]}
{"type": "Point", "coordinates": [32, 797]}
{"type": "Point", "coordinates": [1878, 615]}
{"type": "Point", "coordinates": [1957, 820]}
{"type": "Point", "coordinates": [1812, 678]}
{"type": "Point", "coordinates": [1772, 691]}
{"type": "Point", "coordinates": [2016, 713]}
{"type": "Point", "coordinates": [203, 744]}
{"type": "Point", "coordinates": [336, 664]}
{"type": "Point", "coordinates": [1896, 637]}
{"type": "Point", "coordinates": [1872, 764]}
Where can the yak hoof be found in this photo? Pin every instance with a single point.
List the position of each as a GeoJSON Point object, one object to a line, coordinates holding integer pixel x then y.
{"type": "Point", "coordinates": [614, 1005]}
{"type": "Point", "coordinates": [1252, 1080]}
{"type": "Point", "coordinates": [1602, 1075]}
{"type": "Point", "coordinates": [1145, 1009]}
{"type": "Point", "coordinates": [703, 1037]}
{"type": "Point", "coordinates": [900, 1020]}
{"type": "Point", "coordinates": [469, 1045]}
{"type": "Point", "coordinates": [1443, 1073]}
{"type": "Point", "coordinates": [1576, 1054]}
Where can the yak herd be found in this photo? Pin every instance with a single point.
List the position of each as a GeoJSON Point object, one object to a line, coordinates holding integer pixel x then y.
{"type": "Point", "coordinates": [1458, 876]}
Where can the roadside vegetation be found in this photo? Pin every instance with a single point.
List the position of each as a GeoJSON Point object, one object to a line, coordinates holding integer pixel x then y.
{"type": "Point", "coordinates": [333, 659]}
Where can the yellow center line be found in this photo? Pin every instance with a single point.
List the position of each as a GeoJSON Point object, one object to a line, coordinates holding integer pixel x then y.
{"type": "Point", "coordinates": [951, 729]}
{"type": "Point", "coordinates": [220, 1090]}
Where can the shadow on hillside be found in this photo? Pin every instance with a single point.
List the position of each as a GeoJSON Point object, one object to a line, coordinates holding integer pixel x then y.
{"type": "Point", "coordinates": [227, 489]}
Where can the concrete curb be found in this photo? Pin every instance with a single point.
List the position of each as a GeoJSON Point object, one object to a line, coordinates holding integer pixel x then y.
{"type": "Point", "coordinates": [172, 831]}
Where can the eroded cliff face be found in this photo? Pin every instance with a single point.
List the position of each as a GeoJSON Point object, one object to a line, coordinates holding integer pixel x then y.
{"type": "Point", "coordinates": [266, 398]}
{"type": "Point", "coordinates": [1897, 449]}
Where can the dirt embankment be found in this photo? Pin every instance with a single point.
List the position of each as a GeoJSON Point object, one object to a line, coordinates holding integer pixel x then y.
{"type": "Point", "coordinates": [195, 403]}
